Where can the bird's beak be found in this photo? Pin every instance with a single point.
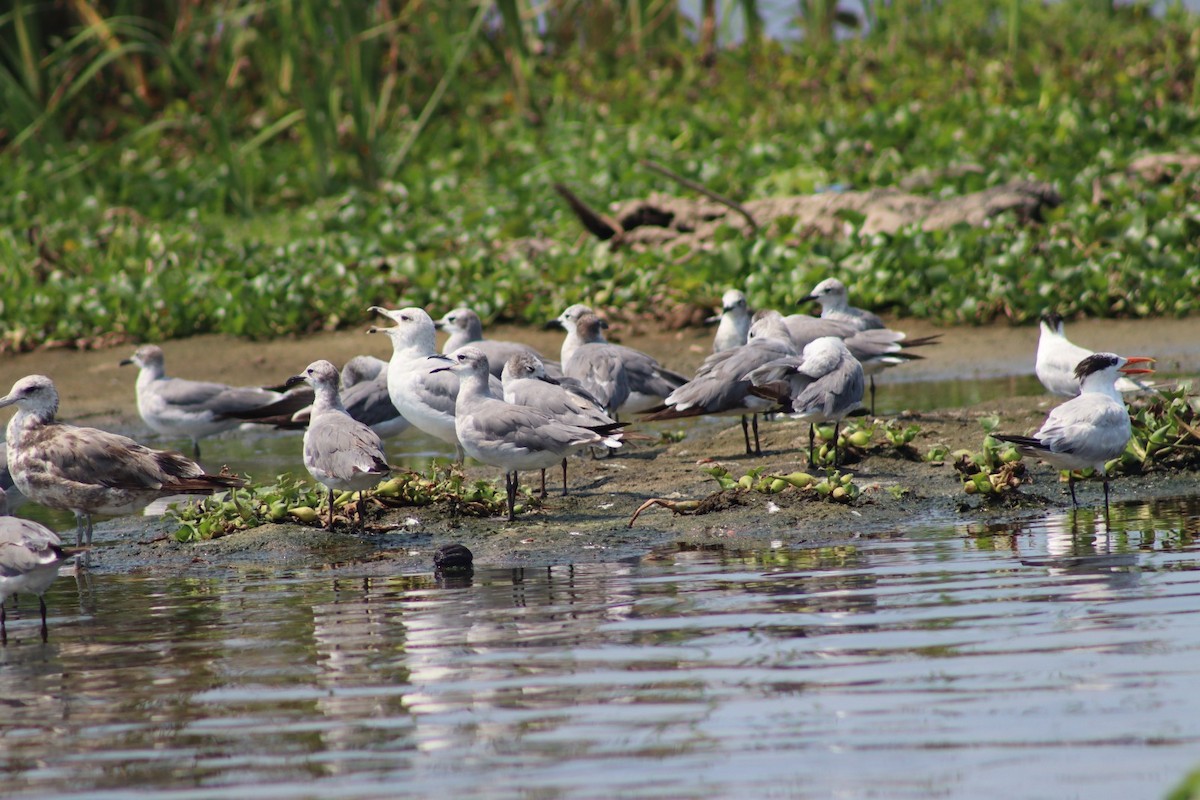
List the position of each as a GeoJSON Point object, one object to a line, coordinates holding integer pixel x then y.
{"type": "Point", "coordinates": [713, 320]}
{"type": "Point", "coordinates": [554, 324]}
{"type": "Point", "coordinates": [548, 379]}
{"type": "Point", "coordinates": [440, 357]}
{"type": "Point", "coordinates": [440, 324]}
{"type": "Point", "coordinates": [292, 381]}
{"type": "Point", "coordinates": [812, 298]}
{"type": "Point", "coordinates": [1128, 370]}
{"type": "Point", "coordinates": [125, 362]}
{"type": "Point", "coordinates": [383, 312]}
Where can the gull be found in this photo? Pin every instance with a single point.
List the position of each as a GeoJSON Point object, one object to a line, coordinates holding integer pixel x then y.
{"type": "Point", "coordinates": [835, 304]}
{"type": "Point", "coordinates": [465, 328]}
{"type": "Point", "coordinates": [733, 326]}
{"type": "Point", "coordinates": [720, 385]}
{"type": "Point", "coordinates": [875, 351]}
{"type": "Point", "coordinates": [1089, 430]}
{"type": "Point", "coordinates": [339, 451]}
{"type": "Point", "coordinates": [364, 395]}
{"type": "Point", "coordinates": [423, 397]}
{"type": "Point", "coordinates": [508, 436]}
{"type": "Point", "coordinates": [89, 471]}
{"type": "Point", "coordinates": [823, 384]}
{"type": "Point", "coordinates": [1057, 358]}
{"type": "Point", "coordinates": [30, 555]}
{"type": "Point", "coordinates": [527, 384]}
{"type": "Point", "coordinates": [195, 409]}
{"type": "Point", "coordinates": [568, 320]}
{"type": "Point", "coordinates": [621, 378]}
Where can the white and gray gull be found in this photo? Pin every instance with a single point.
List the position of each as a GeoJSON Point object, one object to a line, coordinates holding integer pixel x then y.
{"type": "Point", "coordinates": [465, 328]}
{"type": "Point", "coordinates": [733, 323]}
{"type": "Point", "coordinates": [193, 409]}
{"type": "Point", "coordinates": [364, 394]}
{"type": "Point", "coordinates": [508, 436]}
{"type": "Point", "coordinates": [527, 384]}
{"type": "Point", "coordinates": [875, 346]}
{"type": "Point", "coordinates": [339, 451]}
{"type": "Point", "coordinates": [1089, 430]}
{"type": "Point", "coordinates": [89, 471]}
{"type": "Point", "coordinates": [621, 378]}
{"type": "Point", "coordinates": [823, 384]}
{"type": "Point", "coordinates": [425, 398]}
{"type": "Point", "coordinates": [720, 385]}
{"type": "Point", "coordinates": [30, 555]}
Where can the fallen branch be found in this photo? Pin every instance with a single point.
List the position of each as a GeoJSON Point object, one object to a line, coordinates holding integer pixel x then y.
{"type": "Point", "coordinates": [702, 189]}
{"type": "Point", "coordinates": [599, 224]}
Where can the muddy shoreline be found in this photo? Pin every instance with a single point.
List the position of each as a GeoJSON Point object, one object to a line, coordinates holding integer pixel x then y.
{"type": "Point", "coordinates": [591, 524]}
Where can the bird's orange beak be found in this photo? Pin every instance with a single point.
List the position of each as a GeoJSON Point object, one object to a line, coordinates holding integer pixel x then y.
{"type": "Point", "coordinates": [1129, 369]}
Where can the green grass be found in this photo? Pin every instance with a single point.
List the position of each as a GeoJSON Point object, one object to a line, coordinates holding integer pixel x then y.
{"type": "Point", "coordinates": [332, 173]}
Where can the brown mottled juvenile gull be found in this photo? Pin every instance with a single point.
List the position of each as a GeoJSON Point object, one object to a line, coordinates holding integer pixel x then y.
{"type": "Point", "coordinates": [505, 435]}
{"type": "Point", "coordinates": [181, 407]}
{"type": "Point", "coordinates": [339, 451]}
{"type": "Point", "coordinates": [822, 384]}
{"type": "Point", "coordinates": [527, 384]}
{"type": "Point", "coordinates": [721, 386]}
{"type": "Point", "coordinates": [90, 471]}
{"type": "Point", "coordinates": [30, 555]}
{"type": "Point", "coordinates": [465, 328]}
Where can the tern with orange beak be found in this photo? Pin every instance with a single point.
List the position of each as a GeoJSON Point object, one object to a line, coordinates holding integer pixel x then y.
{"type": "Point", "coordinates": [1091, 429]}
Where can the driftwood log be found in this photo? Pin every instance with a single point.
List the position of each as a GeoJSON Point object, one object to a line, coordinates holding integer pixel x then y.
{"type": "Point", "coordinates": [666, 221]}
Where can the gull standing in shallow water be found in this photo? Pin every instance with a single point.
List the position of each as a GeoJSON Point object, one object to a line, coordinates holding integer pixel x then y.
{"type": "Point", "coordinates": [195, 409]}
{"type": "Point", "coordinates": [30, 555]}
{"type": "Point", "coordinates": [508, 436]}
{"type": "Point", "coordinates": [823, 384]}
{"type": "Point", "coordinates": [90, 471]}
{"type": "Point", "coordinates": [1058, 356]}
{"type": "Point", "coordinates": [527, 384]}
{"type": "Point", "coordinates": [339, 451]}
{"type": "Point", "coordinates": [1089, 430]}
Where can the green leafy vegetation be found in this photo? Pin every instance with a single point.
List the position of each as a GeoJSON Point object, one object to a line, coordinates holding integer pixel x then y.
{"type": "Point", "coordinates": [834, 485]}
{"type": "Point", "coordinates": [290, 500]}
{"type": "Point", "coordinates": [262, 169]}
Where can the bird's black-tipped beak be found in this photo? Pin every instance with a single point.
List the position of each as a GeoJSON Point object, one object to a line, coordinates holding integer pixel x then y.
{"type": "Point", "coordinates": [812, 298]}
{"type": "Point", "coordinates": [548, 379]}
{"type": "Point", "coordinates": [125, 362]}
{"type": "Point", "coordinates": [292, 381]}
{"type": "Point", "coordinates": [554, 324]}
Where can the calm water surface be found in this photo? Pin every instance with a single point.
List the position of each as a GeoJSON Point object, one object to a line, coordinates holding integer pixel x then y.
{"type": "Point", "coordinates": [1056, 658]}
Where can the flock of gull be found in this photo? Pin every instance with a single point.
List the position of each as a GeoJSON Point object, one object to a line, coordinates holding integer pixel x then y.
{"type": "Point", "coordinates": [504, 405]}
